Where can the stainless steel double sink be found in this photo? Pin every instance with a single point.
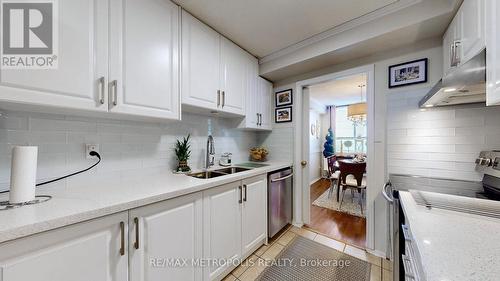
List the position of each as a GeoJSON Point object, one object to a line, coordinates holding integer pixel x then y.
{"type": "Point", "coordinates": [218, 172]}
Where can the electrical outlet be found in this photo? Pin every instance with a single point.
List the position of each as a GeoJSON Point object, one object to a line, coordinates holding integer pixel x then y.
{"type": "Point", "coordinates": [89, 148]}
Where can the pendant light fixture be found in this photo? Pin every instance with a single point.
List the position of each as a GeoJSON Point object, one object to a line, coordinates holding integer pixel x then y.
{"type": "Point", "coordinates": [356, 113]}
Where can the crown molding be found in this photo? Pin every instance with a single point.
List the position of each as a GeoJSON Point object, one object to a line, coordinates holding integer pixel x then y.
{"type": "Point", "coordinates": [364, 19]}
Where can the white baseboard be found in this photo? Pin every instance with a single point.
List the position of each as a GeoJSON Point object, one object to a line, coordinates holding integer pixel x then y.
{"type": "Point", "coordinates": [315, 180]}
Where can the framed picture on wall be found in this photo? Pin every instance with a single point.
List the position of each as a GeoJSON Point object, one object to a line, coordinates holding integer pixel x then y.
{"type": "Point", "coordinates": [284, 98]}
{"type": "Point", "coordinates": [408, 73]}
{"type": "Point", "coordinates": [283, 115]}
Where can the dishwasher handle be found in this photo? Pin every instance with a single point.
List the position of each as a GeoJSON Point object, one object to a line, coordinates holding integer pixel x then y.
{"type": "Point", "coordinates": [282, 178]}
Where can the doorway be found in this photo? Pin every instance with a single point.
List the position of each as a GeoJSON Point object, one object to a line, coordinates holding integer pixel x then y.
{"type": "Point", "coordinates": [336, 119]}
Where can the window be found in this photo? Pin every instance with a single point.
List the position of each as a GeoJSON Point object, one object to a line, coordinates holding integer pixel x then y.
{"type": "Point", "coordinates": [349, 138]}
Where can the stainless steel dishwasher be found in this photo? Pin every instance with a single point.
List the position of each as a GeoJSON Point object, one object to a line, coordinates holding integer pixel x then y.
{"type": "Point", "coordinates": [279, 200]}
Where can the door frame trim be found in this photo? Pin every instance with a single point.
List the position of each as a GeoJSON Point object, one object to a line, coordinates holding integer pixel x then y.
{"type": "Point", "coordinates": [301, 195]}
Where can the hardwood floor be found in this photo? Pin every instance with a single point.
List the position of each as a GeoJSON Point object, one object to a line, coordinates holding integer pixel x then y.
{"type": "Point", "coordinates": [340, 226]}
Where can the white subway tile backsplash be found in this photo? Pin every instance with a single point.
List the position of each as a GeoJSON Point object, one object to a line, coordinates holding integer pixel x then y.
{"type": "Point", "coordinates": [439, 142]}
{"type": "Point", "coordinates": [430, 132]}
{"type": "Point", "coordinates": [124, 145]}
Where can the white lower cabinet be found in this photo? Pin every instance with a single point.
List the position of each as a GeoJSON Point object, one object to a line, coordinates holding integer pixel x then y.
{"type": "Point", "coordinates": [86, 251]}
{"type": "Point", "coordinates": [254, 214]}
{"type": "Point", "coordinates": [234, 223]}
{"type": "Point", "coordinates": [189, 238]}
{"type": "Point", "coordinates": [221, 227]}
{"type": "Point", "coordinates": [166, 240]}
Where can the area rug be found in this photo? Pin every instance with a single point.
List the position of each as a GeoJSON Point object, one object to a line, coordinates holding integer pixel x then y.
{"type": "Point", "coordinates": [349, 206]}
{"type": "Point", "coordinates": [304, 260]}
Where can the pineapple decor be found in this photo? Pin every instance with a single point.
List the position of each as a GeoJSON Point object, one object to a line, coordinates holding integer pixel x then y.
{"type": "Point", "coordinates": [183, 152]}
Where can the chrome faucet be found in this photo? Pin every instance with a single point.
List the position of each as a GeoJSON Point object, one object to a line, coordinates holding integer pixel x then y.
{"type": "Point", "coordinates": [210, 157]}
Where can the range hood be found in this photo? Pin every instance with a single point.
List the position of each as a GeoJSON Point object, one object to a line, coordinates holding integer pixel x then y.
{"type": "Point", "coordinates": [465, 84]}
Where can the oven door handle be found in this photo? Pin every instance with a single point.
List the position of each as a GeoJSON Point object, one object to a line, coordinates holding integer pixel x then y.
{"type": "Point", "coordinates": [385, 192]}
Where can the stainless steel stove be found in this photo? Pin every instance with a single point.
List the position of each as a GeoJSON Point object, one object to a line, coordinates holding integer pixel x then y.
{"type": "Point", "coordinates": [488, 163]}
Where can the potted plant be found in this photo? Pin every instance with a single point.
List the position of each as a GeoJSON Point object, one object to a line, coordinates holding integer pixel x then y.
{"type": "Point", "coordinates": [183, 152]}
{"type": "Point", "coordinates": [329, 148]}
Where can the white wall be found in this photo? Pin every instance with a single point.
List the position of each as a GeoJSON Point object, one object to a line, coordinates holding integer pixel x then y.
{"type": "Point", "coordinates": [315, 151]}
{"type": "Point", "coordinates": [124, 145]}
{"type": "Point", "coordinates": [438, 142]}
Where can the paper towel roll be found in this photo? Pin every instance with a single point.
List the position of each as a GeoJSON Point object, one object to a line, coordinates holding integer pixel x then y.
{"type": "Point", "coordinates": [23, 174]}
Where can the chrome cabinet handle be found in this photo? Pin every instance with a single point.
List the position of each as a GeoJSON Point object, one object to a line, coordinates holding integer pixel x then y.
{"type": "Point", "coordinates": [122, 238]}
{"type": "Point", "coordinates": [223, 99]}
{"type": "Point", "coordinates": [113, 92]}
{"type": "Point", "coordinates": [245, 189]}
{"type": "Point", "coordinates": [136, 243]}
{"type": "Point", "coordinates": [218, 98]}
{"type": "Point", "coordinates": [452, 55]}
{"type": "Point", "coordinates": [457, 44]}
{"type": "Point", "coordinates": [241, 195]}
{"type": "Point", "coordinates": [260, 120]}
{"type": "Point", "coordinates": [101, 90]}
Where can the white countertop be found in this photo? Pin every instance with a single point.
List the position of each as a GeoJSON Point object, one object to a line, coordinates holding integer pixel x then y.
{"type": "Point", "coordinates": [454, 246]}
{"type": "Point", "coordinates": [92, 198]}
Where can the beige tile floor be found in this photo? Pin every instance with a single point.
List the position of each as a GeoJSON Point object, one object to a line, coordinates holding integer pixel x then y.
{"type": "Point", "coordinates": [381, 269]}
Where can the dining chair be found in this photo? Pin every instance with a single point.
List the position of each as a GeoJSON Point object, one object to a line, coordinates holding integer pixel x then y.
{"type": "Point", "coordinates": [352, 177]}
{"type": "Point", "coordinates": [333, 174]}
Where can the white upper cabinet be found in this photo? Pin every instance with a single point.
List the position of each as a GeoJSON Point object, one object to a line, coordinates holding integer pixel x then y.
{"type": "Point", "coordinates": [94, 250]}
{"type": "Point", "coordinates": [258, 101]}
{"type": "Point", "coordinates": [265, 103]}
{"type": "Point", "coordinates": [234, 75]}
{"type": "Point", "coordinates": [492, 52]}
{"type": "Point", "coordinates": [79, 82]}
{"type": "Point", "coordinates": [472, 28]}
{"type": "Point", "coordinates": [214, 70]}
{"type": "Point", "coordinates": [172, 230]}
{"type": "Point", "coordinates": [144, 72]}
{"type": "Point", "coordinates": [200, 64]}
{"type": "Point", "coordinates": [465, 37]}
{"type": "Point", "coordinates": [136, 74]}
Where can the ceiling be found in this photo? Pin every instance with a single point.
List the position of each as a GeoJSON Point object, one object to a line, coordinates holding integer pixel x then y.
{"type": "Point", "coordinates": [263, 27]}
{"type": "Point", "coordinates": [341, 91]}
{"type": "Point", "coordinates": [396, 42]}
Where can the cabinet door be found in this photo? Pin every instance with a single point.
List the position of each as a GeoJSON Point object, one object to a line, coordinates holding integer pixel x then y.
{"type": "Point", "coordinates": [82, 63]}
{"type": "Point", "coordinates": [472, 28]}
{"type": "Point", "coordinates": [200, 63]}
{"type": "Point", "coordinates": [233, 71]}
{"type": "Point", "coordinates": [254, 214]}
{"type": "Point", "coordinates": [145, 58]}
{"type": "Point", "coordinates": [81, 252]}
{"type": "Point", "coordinates": [266, 91]}
{"type": "Point", "coordinates": [493, 52]}
{"type": "Point", "coordinates": [221, 227]}
{"type": "Point", "coordinates": [168, 233]}
{"type": "Point", "coordinates": [253, 95]}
